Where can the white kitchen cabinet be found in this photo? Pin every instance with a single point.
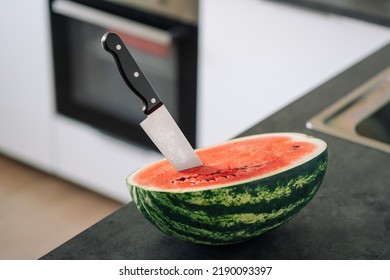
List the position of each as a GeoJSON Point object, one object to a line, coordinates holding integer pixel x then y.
{"type": "Point", "coordinates": [26, 100]}
{"type": "Point", "coordinates": [84, 155]}
{"type": "Point", "coordinates": [257, 56]}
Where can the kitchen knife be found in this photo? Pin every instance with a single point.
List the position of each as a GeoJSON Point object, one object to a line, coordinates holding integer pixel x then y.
{"type": "Point", "coordinates": [159, 124]}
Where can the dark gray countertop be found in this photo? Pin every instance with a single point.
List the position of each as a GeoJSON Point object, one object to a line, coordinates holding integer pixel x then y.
{"type": "Point", "coordinates": [349, 218]}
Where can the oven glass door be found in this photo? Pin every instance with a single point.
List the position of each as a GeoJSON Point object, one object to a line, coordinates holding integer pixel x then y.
{"type": "Point", "coordinates": [97, 83]}
{"type": "Point", "coordinates": [88, 85]}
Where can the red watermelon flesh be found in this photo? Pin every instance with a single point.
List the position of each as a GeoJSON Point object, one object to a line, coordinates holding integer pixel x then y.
{"type": "Point", "coordinates": [235, 161]}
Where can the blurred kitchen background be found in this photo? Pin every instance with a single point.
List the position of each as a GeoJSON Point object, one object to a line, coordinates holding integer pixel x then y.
{"type": "Point", "coordinates": [69, 131]}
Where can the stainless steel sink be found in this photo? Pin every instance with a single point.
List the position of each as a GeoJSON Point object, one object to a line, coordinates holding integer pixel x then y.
{"type": "Point", "coordinates": [362, 116]}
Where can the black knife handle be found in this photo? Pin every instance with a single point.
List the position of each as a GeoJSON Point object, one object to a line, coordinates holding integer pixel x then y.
{"type": "Point", "coordinates": [131, 73]}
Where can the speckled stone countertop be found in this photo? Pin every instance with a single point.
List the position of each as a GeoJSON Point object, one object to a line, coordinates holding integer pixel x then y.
{"type": "Point", "coordinates": [349, 218]}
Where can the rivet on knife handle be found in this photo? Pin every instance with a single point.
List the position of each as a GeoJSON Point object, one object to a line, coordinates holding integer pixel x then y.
{"type": "Point", "coordinates": [131, 73]}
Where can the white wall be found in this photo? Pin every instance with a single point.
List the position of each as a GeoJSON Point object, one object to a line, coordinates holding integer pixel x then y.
{"type": "Point", "coordinates": [258, 56]}
{"type": "Point", "coordinates": [25, 82]}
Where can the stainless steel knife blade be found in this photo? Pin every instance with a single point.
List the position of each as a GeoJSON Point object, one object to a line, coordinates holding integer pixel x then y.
{"type": "Point", "coordinates": [169, 139]}
{"type": "Point", "coordinates": [159, 124]}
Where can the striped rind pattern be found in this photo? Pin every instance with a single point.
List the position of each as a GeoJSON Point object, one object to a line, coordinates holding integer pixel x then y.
{"type": "Point", "coordinates": [235, 213]}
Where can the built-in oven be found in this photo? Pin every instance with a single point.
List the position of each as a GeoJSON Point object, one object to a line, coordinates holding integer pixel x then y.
{"type": "Point", "coordinates": [162, 36]}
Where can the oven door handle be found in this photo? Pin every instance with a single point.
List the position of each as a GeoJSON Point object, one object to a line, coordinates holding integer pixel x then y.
{"type": "Point", "coordinates": [108, 20]}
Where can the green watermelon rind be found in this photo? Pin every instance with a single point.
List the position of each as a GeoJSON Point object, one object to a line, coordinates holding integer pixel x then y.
{"type": "Point", "coordinates": [235, 213]}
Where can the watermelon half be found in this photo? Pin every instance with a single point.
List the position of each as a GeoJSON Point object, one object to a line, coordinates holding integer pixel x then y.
{"type": "Point", "coordinates": [246, 187]}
